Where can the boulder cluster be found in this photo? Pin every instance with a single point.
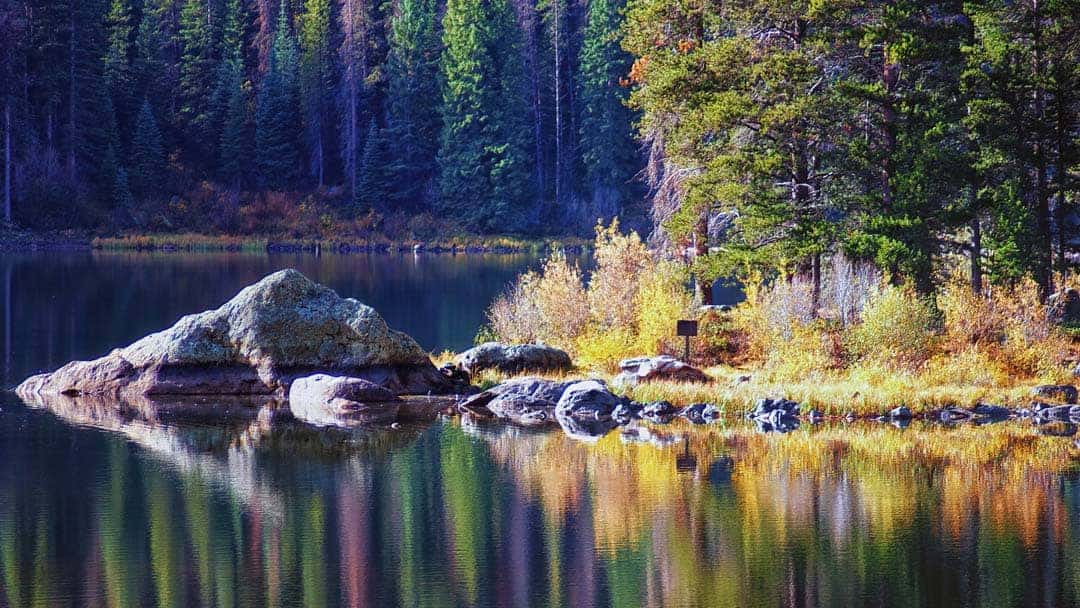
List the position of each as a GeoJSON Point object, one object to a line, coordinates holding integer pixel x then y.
{"type": "Point", "coordinates": [584, 409]}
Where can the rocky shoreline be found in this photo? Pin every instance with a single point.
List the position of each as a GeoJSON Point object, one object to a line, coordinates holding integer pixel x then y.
{"type": "Point", "coordinates": [292, 347]}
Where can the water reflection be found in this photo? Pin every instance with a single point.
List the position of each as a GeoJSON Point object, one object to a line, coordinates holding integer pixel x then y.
{"type": "Point", "coordinates": [144, 508]}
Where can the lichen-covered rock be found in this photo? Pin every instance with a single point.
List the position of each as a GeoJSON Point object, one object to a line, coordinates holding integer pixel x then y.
{"type": "Point", "coordinates": [650, 369]}
{"type": "Point", "coordinates": [283, 327]}
{"type": "Point", "coordinates": [514, 359]}
{"type": "Point", "coordinates": [340, 401]}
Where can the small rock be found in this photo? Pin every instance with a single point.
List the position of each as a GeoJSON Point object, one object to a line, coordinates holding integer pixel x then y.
{"type": "Point", "coordinates": [991, 411]}
{"type": "Point", "coordinates": [514, 359]}
{"type": "Point", "coordinates": [701, 413]}
{"type": "Point", "coordinates": [661, 411]}
{"type": "Point", "coordinates": [954, 414]}
{"type": "Point", "coordinates": [900, 413]}
{"type": "Point", "coordinates": [1057, 412]}
{"type": "Point", "coordinates": [650, 369]}
{"type": "Point", "coordinates": [815, 416]}
{"type": "Point", "coordinates": [1063, 393]}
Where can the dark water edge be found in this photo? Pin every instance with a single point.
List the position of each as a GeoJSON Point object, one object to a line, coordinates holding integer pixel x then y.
{"type": "Point", "coordinates": [64, 306]}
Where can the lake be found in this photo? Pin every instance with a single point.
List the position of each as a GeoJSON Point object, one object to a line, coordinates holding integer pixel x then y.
{"type": "Point", "coordinates": [112, 509]}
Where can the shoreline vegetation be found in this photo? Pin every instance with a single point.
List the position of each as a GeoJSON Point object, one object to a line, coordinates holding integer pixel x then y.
{"type": "Point", "coordinates": [191, 242]}
{"type": "Point", "coordinates": [861, 346]}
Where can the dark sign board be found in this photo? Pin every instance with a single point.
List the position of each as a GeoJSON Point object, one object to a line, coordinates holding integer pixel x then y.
{"type": "Point", "coordinates": [687, 328]}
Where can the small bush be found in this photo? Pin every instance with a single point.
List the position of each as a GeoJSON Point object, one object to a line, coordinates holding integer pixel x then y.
{"type": "Point", "coordinates": [550, 306]}
{"type": "Point", "coordinates": [621, 261]}
{"type": "Point", "coordinates": [662, 298]}
{"type": "Point", "coordinates": [896, 329]}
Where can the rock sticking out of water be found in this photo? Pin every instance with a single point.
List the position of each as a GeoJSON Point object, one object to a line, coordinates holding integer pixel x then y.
{"type": "Point", "coordinates": [338, 401]}
{"type": "Point", "coordinates": [281, 328]}
{"type": "Point", "coordinates": [523, 401]}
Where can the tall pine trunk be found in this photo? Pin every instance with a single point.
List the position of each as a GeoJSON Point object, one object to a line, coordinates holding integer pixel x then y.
{"type": "Point", "coordinates": [1044, 252]}
{"type": "Point", "coordinates": [701, 248]}
{"type": "Point", "coordinates": [558, 104]}
{"type": "Point", "coordinates": [976, 256]}
{"type": "Point", "coordinates": [7, 159]}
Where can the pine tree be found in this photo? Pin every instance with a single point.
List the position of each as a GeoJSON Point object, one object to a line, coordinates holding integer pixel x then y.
{"type": "Point", "coordinates": [91, 118]}
{"type": "Point", "coordinates": [149, 69]}
{"type": "Point", "coordinates": [486, 140]}
{"type": "Point", "coordinates": [277, 127]}
{"type": "Point", "coordinates": [607, 146]}
{"type": "Point", "coordinates": [901, 85]}
{"type": "Point", "coordinates": [230, 106]}
{"type": "Point", "coordinates": [370, 180]}
{"type": "Point", "coordinates": [316, 84]}
{"type": "Point", "coordinates": [117, 60]}
{"type": "Point", "coordinates": [123, 202]}
{"type": "Point", "coordinates": [513, 204]}
{"type": "Point", "coordinates": [196, 77]}
{"type": "Point", "coordinates": [147, 159]}
{"type": "Point", "coordinates": [463, 158]}
{"type": "Point", "coordinates": [413, 72]}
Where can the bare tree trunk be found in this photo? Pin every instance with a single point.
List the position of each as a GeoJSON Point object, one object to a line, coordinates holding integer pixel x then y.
{"type": "Point", "coordinates": [558, 104]}
{"type": "Point", "coordinates": [1044, 254]}
{"type": "Point", "coordinates": [71, 99]}
{"type": "Point", "coordinates": [7, 323]}
{"type": "Point", "coordinates": [976, 255]}
{"type": "Point", "coordinates": [7, 159]}
{"type": "Point", "coordinates": [352, 93]}
{"type": "Point", "coordinates": [701, 248]}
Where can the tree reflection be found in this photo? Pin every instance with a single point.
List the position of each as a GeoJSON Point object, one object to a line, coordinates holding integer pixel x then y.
{"type": "Point", "coordinates": [254, 513]}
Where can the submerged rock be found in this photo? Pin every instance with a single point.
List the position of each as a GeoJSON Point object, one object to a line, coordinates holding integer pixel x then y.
{"type": "Point", "coordinates": [513, 359]}
{"type": "Point", "coordinates": [660, 412]}
{"type": "Point", "coordinates": [650, 369]}
{"type": "Point", "coordinates": [283, 327]}
{"type": "Point", "coordinates": [338, 401]}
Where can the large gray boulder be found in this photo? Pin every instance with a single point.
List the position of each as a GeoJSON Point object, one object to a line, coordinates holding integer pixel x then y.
{"type": "Point", "coordinates": [283, 327]}
{"type": "Point", "coordinates": [514, 359]}
{"type": "Point", "coordinates": [339, 401]}
{"type": "Point", "coordinates": [650, 369]}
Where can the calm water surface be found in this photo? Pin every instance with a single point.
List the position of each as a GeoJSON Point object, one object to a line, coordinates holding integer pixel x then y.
{"type": "Point", "coordinates": [103, 509]}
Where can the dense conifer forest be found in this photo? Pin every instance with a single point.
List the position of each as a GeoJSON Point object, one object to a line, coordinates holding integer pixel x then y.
{"type": "Point", "coordinates": [774, 133]}
{"type": "Point", "coordinates": [488, 115]}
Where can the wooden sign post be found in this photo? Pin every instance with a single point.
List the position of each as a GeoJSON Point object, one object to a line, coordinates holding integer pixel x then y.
{"type": "Point", "coordinates": [686, 329]}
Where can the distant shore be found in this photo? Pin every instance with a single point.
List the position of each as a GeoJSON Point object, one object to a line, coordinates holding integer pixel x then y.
{"type": "Point", "coordinates": [22, 241]}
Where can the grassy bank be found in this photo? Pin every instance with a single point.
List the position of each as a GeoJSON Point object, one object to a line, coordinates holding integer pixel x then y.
{"type": "Point", "coordinates": [452, 244]}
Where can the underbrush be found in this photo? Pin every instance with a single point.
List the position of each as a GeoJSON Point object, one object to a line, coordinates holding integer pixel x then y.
{"type": "Point", "coordinates": [628, 304]}
{"type": "Point", "coordinates": [867, 344]}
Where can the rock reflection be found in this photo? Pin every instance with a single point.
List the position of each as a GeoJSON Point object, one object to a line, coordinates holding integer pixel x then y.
{"type": "Point", "coordinates": [265, 512]}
